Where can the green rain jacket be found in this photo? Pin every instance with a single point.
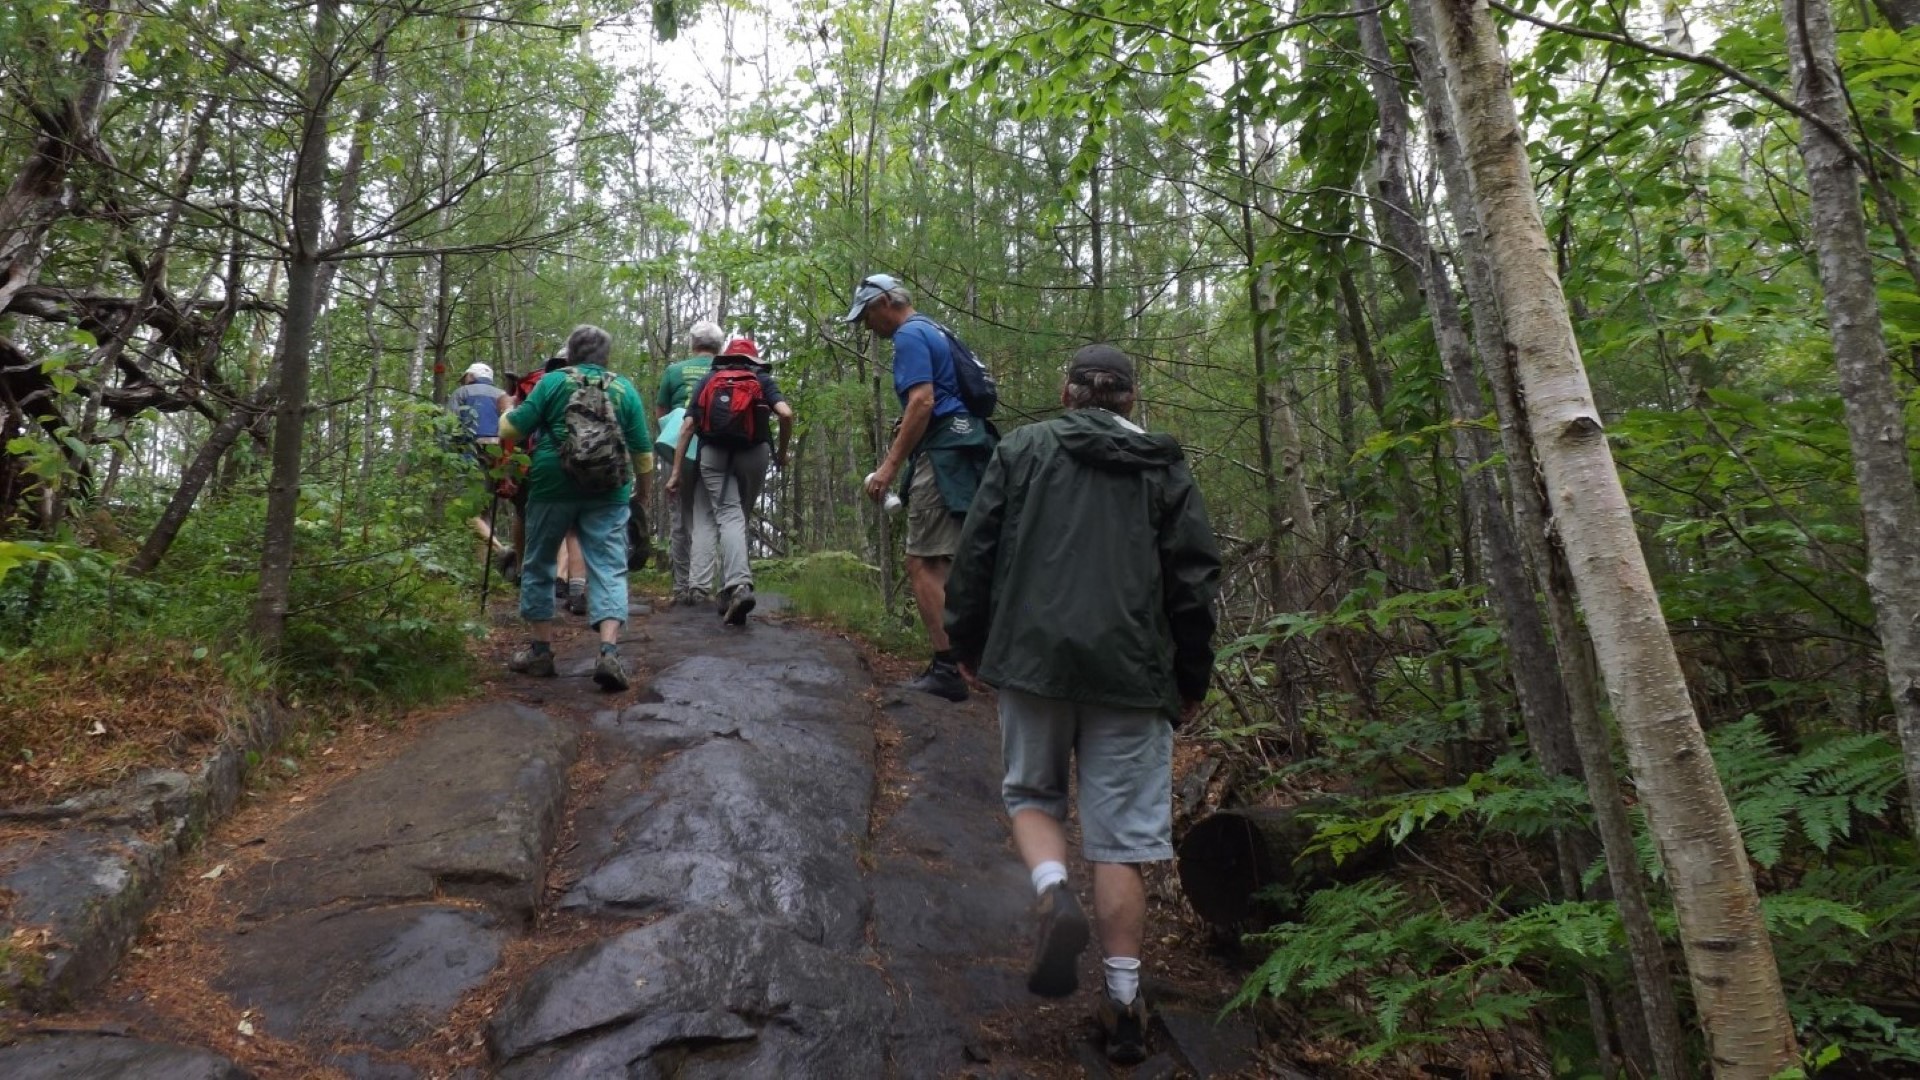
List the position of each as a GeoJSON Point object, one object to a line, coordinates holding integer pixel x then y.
{"type": "Point", "coordinates": [1087, 568]}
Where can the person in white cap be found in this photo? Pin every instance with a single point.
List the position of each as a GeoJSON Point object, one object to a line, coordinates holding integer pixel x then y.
{"type": "Point", "coordinates": [477, 404]}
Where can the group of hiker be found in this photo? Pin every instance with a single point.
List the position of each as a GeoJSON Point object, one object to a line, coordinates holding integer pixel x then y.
{"type": "Point", "coordinates": [1070, 565]}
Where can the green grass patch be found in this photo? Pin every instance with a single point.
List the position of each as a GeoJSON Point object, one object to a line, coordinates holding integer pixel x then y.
{"type": "Point", "coordinates": [836, 587]}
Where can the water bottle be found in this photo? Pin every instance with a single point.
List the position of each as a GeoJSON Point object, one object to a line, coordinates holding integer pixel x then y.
{"type": "Point", "coordinates": [891, 504]}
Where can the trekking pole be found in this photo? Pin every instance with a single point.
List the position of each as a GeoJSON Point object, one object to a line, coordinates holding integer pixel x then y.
{"type": "Point", "coordinates": [486, 553]}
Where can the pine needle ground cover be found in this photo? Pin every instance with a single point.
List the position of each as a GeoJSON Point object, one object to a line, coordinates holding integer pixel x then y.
{"type": "Point", "coordinates": [75, 723]}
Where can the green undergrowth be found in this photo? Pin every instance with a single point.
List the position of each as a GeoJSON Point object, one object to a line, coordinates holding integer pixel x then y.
{"type": "Point", "coordinates": [1397, 962]}
{"type": "Point", "coordinates": [382, 617]}
{"type": "Point", "coordinates": [839, 588]}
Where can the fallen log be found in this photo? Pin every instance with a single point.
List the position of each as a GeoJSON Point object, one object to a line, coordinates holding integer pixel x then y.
{"type": "Point", "coordinates": [1244, 866]}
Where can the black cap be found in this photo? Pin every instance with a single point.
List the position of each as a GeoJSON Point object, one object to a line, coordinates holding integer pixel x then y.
{"type": "Point", "coordinates": [1101, 358]}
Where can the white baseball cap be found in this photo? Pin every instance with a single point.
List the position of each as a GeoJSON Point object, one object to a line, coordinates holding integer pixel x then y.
{"type": "Point", "coordinates": [480, 371]}
{"type": "Point", "coordinates": [870, 289]}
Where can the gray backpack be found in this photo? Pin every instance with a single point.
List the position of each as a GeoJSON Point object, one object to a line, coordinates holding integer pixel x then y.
{"type": "Point", "coordinates": [594, 453]}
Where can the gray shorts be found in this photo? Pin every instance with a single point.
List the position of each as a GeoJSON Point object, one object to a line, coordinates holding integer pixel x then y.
{"type": "Point", "coordinates": [933, 531]}
{"type": "Point", "coordinates": [1125, 759]}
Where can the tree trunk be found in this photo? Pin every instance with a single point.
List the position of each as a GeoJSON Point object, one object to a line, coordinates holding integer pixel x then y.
{"type": "Point", "coordinates": [296, 336]}
{"type": "Point", "coordinates": [1536, 671]}
{"type": "Point", "coordinates": [1900, 14]}
{"type": "Point", "coordinates": [69, 131]}
{"type": "Point", "coordinates": [1578, 669]}
{"type": "Point", "coordinates": [1876, 424]}
{"type": "Point", "coordinates": [1729, 956]}
{"type": "Point", "coordinates": [193, 478]}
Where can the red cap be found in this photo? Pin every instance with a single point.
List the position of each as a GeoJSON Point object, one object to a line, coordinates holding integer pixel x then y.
{"type": "Point", "coordinates": [742, 347]}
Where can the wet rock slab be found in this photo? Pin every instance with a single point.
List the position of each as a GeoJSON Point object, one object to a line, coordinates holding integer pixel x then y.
{"type": "Point", "coordinates": [383, 978]}
{"type": "Point", "coordinates": [468, 810]}
{"type": "Point", "coordinates": [696, 995]}
{"type": "Point", "coordinates": [950, 898]}
{"type": "Point", "coordinates": [749, 791]}
{"type": "Point", "coordinates": [97, 1056]}
{"type": "Point", "coordinates": [90, 866]}
{"type": "Point", "coordinates": [83, 894]}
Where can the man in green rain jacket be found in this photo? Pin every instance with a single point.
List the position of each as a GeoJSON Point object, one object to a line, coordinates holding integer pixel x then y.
{"type": "Point", "coordinates": [1083, 589]}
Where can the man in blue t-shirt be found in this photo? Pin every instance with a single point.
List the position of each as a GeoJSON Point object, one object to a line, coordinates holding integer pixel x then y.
{"type": "Point", "coordinates": [938, 445]}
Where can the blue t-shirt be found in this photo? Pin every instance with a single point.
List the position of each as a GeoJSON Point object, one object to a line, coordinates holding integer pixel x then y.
{"type": "Point", "coordinates": [920, 355]}
{"type": "Point", "coordinates": [477, 404]}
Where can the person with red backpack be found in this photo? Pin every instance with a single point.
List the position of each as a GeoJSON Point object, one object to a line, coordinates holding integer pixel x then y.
{"type": "Point", "coordinates": [732, 410]}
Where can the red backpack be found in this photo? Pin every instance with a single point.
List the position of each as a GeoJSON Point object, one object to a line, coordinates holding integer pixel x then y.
{"type": "Point", "coordinates": [731, 409]}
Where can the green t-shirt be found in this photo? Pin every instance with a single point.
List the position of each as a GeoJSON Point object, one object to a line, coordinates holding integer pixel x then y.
{"type": "Point", "coordinates": [544, 412]}
{"type": "Point", "coordinates": [678, 381]}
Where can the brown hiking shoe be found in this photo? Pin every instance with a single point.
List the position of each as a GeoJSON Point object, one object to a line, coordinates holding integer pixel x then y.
{"type": "Point", "coordinates": [1063, 935]}
{"type": "Point", "coordinates": [609, 672]}
{"type": "Point", "coordinates": [533, 658]}
{"type": "Point", "coordinates": [1125, 1028]}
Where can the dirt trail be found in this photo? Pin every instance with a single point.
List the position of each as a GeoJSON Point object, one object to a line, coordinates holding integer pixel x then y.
{"type": "Point", "coordinates": [756, 863]}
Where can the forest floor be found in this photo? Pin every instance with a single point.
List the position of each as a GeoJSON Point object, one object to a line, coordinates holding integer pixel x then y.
{"type": "Point", "coordinates": [760, 861]}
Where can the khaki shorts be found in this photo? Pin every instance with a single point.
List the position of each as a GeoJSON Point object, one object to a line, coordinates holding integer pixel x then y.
{"type": "Point", "coordinates": [933, 531]}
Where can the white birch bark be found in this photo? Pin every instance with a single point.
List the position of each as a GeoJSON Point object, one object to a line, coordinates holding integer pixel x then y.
{"type": "Point", "coordinates": [1876, 426]}
{"type": "Point", "coordinates": [1730, 961]}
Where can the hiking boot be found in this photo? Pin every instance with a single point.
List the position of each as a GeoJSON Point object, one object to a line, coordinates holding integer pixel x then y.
{"type": "Point", "coordinates": [941, 679]}
{"type": "Point", "coordinates": [577, 601]}
{"type": "Point", "coordinates": [609, 672]}
{"type": "Point", "coordinates": [533, 658]}
{"type": "Point", "coordinates": [740, 605]}
{"type": "Point", "coordinates": [725, 601]}
{"type": "Point", "coordinates": [1055, 971]}
{"type": "Point", "coordinates": [1125, 1028]}
{"type": "Point", "coordinates": [698, 597]}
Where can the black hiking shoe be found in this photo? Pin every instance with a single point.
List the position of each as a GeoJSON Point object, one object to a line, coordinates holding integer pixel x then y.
{"type": "Point", "coordinates": [740, 605]}
{"type": "Point", "coordinates": [1125, 1028]}
{"type": "Point", "coordinates": [609, 672]}
{"type": "Point", "coordinates": [1063, 935]}
{"type": "Point", "coordinates": [533, 658]}
{"type": "Point", "coordinates": [507, 561]}
{"type": "Point", "coordinates": [577, 601]}
{"type": "Point", "coordinates": [941, 679]}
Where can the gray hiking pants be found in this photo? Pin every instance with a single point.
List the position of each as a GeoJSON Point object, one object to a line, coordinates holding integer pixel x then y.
{"type": "Point", "coordinates": [686, 507]}
{"type": "Point", "coordinates": [732, 479]}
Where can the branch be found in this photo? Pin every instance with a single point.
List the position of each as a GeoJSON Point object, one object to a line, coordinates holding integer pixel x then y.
{"type": "Point", "coordinates": [1853, 152]}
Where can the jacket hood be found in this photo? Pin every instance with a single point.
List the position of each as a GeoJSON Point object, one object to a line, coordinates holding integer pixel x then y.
{"type": "Point", "coordinates": [1108, 441]}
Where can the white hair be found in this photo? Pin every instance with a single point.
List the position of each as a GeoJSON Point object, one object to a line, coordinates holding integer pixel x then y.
{"type": "Point", "coordinates": [706, 337]}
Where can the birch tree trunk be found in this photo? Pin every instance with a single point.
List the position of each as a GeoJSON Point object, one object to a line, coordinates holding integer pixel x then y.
{"type": "Point", "coordinates": [1876, 423]}
{"type": "Point", "coordinates": [1730, 959]}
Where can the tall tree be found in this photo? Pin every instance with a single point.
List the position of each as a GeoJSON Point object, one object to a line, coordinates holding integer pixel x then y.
{"type": "Point", "coordinates": [1729, 956]}
{"type": "Point", "coordinates": [1876, 418]}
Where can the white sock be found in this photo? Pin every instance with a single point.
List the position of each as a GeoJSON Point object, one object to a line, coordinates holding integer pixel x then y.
{"type": "Point", "coordinates": [1048, 874]}
{"type": "Point", "coordinates": [1123, 978]}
